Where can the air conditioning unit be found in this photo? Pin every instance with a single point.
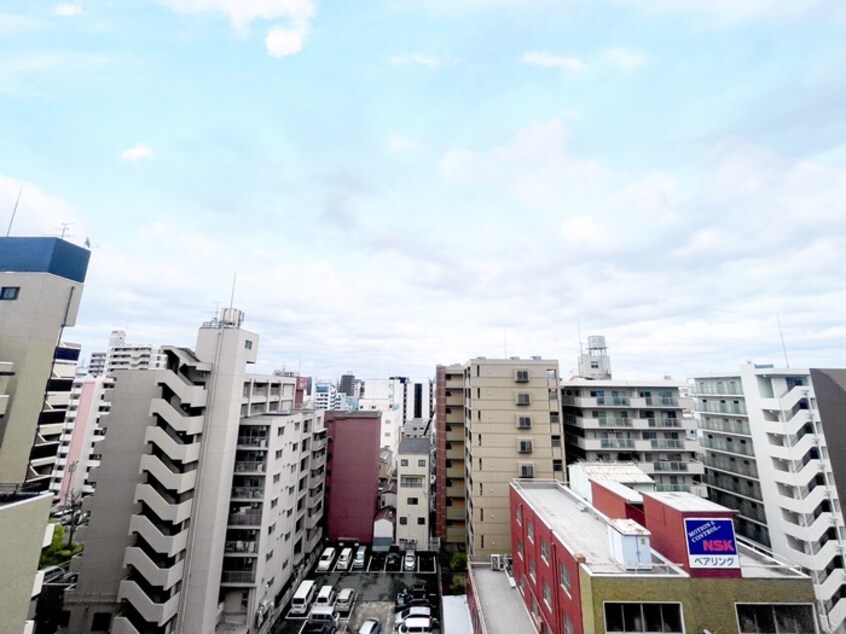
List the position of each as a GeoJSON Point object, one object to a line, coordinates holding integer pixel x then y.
{"type": "Point", "coordinates": [496, 562]}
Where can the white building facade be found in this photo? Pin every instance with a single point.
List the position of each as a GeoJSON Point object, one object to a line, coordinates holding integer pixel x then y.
{"type": "Point", "coordinates": [413, 485]}
{"type": "Point", "coordinates": [775, 450]}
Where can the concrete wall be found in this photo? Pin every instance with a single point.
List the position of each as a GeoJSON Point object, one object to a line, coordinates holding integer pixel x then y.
{"type": "Point", "coordinates": [22, 525]}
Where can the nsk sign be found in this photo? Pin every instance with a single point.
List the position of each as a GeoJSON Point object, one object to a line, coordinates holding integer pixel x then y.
{"type": "Point", "coordinates": [711, 543]}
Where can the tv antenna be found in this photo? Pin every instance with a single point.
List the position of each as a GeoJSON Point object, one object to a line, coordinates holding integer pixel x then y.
{"type": "Point", "coordinates": [781, 334]}
{"type": "Point", "coordinates": [14, 211]}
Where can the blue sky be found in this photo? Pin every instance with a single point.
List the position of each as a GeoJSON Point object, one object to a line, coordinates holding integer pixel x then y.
{"type": "Point", "coordinates": [401, 183]}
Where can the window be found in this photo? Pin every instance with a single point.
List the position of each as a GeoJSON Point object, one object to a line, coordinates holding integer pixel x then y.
{"type": "Point", "coordinates": [530, 532]}
{"type": "Point", "coordinates": [547, 594]}
{"type": "Point", "coordinates": [545, 549]}
{"type": "Point", "coordinates": [568, 625]}
{"type": "Point", "coordinates": [421, 521]}
{"type": "Point", "coordinates": [523, 398]}
{"type": "Point", "coordinates": [248, 344]}
{"type": "Point", "coordinates": [524, 422]}
{"type": "Point", "coordinates": [278, 454]}
{"type": "Point", "coordinates": [527, 471]}
{"type": "Point", "coordinates": [411, 482]}
{"type": "Point", "coordinates": [274, 502]}
{"type": "Point", "coordinates": [412, 501]}
{"type": "Point", "coordinates": [520, 548]}
{"type": "Point", "coordinates": [421, 463]}
{"type": "Point", "coordinates": [794, 618]}
{"type": "Point", "coordinates": [643, 617]}
{"type": "Point", "coordinates": [280, 431]}
{"type": "Point", "coordinates": [524, 445]}
{"type": "Point", "coordinates": [564, 576]}
{"type": "Point", "coordinates": [276, 477]}
{"type": "Point", "coordinates": [533, 572]}
{"type": "Point", "coordinates": [521, 376]}
{"type": "Point", "coordinates": [520, 514]}
{"type": "Point", "coordinates": [404, 462]}
{"type": "Point", "coordinates": [403, 521]}
{"type": "Point", "coordinates": [268, 556]}
{"type": "Point", "coordinates": [10, 293]}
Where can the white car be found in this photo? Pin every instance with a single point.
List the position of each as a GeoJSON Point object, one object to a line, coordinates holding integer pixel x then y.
{"type": "Point", "coordinates": [326, 560]}
{"type": "Point", "coordinates": [409, 562]}
{"type": "Point", "coordinates": [408, 613]}
{"type": "Point", "coordinates": [371, 626]}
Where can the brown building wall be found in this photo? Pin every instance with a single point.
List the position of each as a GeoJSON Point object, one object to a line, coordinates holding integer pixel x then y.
{"type": "Point", "coordinates": [706, 603]}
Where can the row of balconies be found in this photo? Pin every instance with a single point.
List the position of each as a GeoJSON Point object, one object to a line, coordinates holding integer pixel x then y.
{"type": "Point", "coordinates": [629, 402]}
{"type": "Point", "coordinates": [601, 444]}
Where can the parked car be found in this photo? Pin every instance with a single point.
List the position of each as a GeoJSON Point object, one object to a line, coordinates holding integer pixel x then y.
{"type": "Point", "coordinates": [345, 600]}
{"type": "Point", "coordinates": [392, 559]}
{"type": "Point", "coordinates": [360, 557]}
{"type": "Point", "coordinates": [417, 625]}
{"type": "Point", "coordinates": [345, 559]}
{"type": "Point", "coordinates": [409, 562]}
{"type": "Point", "coordinates": [418, 595]}
{"type": "Point", "coordinates": [407, 613]}
{"type": "Point", "coordinates": [326, 560]}
{"type": "Point", "coordinates": [313, 627]}
{"type": "Point", "coordinates": [371, 626]}
{"type": "Point", "coordinates": [325, 614]}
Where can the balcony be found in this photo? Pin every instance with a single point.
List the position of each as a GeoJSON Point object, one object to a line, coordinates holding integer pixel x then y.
{"type": "Point", "coordinates": [152, 573]}
{"type": "Point", "coordinates": [150, 610]}
{"type": "Point", "coordinates": [252, 442]}
{"type": "Point", "coordinates": [713, 407]}
{"type": "Point", "coordinates": [456, 512]}
{"type": "Point", "coordinates": [161, 542]}
{"type": "Point", "coordinates": [238, 547]}
{"type": "Point", "coordinates": [738, 427]}
{"type": "Point", "coordinates": [250, 466]}
{"type": "Point", "coordinates": [737, 448]}
{"type": "Point", "coordinates": [171, 511]}
{"type": "Point", "coordinates": [673, 466]}
{"type": "Point", "coordinates": [183, 452]}
{"type": "Point", "coordinates": [238, 578]}
{"type": "Point", "coordinates": [247, 493]}
{"type": "Point", "coordinates": [173, 480]}
{"type": "Point", "coordinates": [244, 519]}
{"type": "Point", "coordinates": [178, 420]}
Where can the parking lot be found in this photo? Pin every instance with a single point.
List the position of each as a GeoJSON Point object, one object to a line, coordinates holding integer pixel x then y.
{"type": "Point", "coordinates": [376, 588]}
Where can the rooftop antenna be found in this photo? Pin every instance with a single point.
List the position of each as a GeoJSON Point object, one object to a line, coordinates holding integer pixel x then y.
{"type": "Point", "coordinates": [14, 211]}
{"type": "Point", "coordinates": [505, 344]}
{"type": "Point", "coordinates": [64, 229]}
{"type": "Point", "coordinates": [783, 347]}
{"type": "Point", "coordinates": [579, 327]}
{"type": "Point", "coordinates": [232, 296]}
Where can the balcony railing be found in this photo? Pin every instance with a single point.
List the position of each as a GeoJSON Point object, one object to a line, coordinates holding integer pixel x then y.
{"type": "Point", "coordinates": [721, 408]}
{"type": "Point", "coordinates": [241, 547]}
{"type": "Point", "coordinates": [248, 492]}
{"type": "Point", "coordinates": [245, 519]}
{"type": "Point", "coordinates": [731, 427]}
{"type": "Point", "coordinates": [618, 443]}
{"type": "Point", "coordinates": [662, 401]}
{"type": "Point", "coordinates": [664, 422]}
{"type": "Point", "coordinates": [723, 464]}
{"type": "Point", "coordinates": [669, 465]}
{"type": "Point", "coordinates": [667, 444]}
{"type": "Point", "coordinates": [614, 422]}
{"type": "Point", "coordinates": [744, 449]}
{"type": "Point", "coordinates": [251, 466]}
{"type": "Point", "coordinates": [238, 576]}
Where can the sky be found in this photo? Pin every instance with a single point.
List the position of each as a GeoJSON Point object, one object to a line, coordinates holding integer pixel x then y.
{"type": "Point", "coordinates": [396, 184]}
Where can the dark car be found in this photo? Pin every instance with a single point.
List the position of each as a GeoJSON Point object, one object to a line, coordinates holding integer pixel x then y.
{"type": "Point", "coordinates": [319, 628]}
{"type": "Point", "coordinates": [418, 595]}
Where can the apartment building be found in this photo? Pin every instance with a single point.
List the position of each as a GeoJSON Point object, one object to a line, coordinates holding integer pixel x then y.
{"type": "Point", "coordinates": [648, 422]}
{"type": "Point", "coordinates": [511, 411]}
{"type": "Point", "coordinates": [80, 434]}
{"type": "Point", "coordinates": [581, 569]}
{"type": "Point", "coordinates": [450, 514]}
{"type": "Point", "coordinates": [775, 451]}
{"type": "Point", "coordinates": [413, 476]}
{"type": "Point", "coordinates": [209, 494]}
{"type": "Point", "coordinates": [41, 282]}
{"type": "Point", "coordinates": [125, 356]}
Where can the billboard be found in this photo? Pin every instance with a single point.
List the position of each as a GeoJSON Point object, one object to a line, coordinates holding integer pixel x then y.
{"type": "Point", "coordinates": [711, 543]}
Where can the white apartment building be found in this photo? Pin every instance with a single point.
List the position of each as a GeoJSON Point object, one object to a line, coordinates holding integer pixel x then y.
{"type": "Point", "coordinates": [648, 422]}
{"type": "Point", "coordinates": [413, 476]}
{"type": "Point", "coordinates": [775, 450]}
{"type": "Point", "coordinates": [125, 356]}
{"type": "Point", "coordinates": [209, 494]}
{"type": "Point", "coordinates": [327, 397]}
{"type": "Point", "coordinates": [80, 434]}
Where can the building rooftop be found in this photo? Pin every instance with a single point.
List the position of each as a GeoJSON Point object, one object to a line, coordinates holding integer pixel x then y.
{"type": "Point", "coordinates": [456, 615]}
{"type": "Point", "coordinates": [501, 604]}
{"type": "Point", "coordinates": [578, 381]}
{"type": "Point", "coordinates": [625, 472]}
{"type": "Point", "coordinates": [583, 529]}
{"type": "Point", "coordinates": [44, 255]}
{"type": "Point", "coordinates": [687, 502]}
{"type": "Point", "coordinates": [415, 446]}
{"type": "Point", "coordinates": [620, 489]}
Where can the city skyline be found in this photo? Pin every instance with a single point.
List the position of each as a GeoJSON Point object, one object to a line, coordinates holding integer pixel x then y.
{"type": "Point", "coordinates": [415, 182]}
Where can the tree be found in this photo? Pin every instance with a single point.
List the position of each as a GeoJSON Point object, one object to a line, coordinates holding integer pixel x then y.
{"type": "Point", "coordinates": [58, 552]}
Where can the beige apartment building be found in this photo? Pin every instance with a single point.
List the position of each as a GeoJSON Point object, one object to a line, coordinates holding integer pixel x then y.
{"type": "Point", "coordinates": [413, 477]}
{"type": "Point", "coordinates": [209, 494]}
{"type": "Point", "coordinates": [511, 410]}
{"type": "Point", "coordinates": [41, 282]}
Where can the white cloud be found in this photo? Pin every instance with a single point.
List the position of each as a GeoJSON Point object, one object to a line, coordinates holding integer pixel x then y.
{"type": "Point", "coordinates": [242, 13]}
{"type": "Point", "coordinates": [138, 152]}
{"type": "Point", "coordinates": [420, 59]}
{"type": "Point", "coordinates": [283, 41]}
{"type": "Point", "coordinates": [548, 60]}
{"type": "Point", "coordinates": [625, 58]}
{"type": "Point", "coordinates": [292, 19]}
{"type": "Point", "coordinates": [535, 166]}
{"type": "Point", "coordinates": [398, 144]}
{"type": "Point", "coordinates": [68, 10]}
